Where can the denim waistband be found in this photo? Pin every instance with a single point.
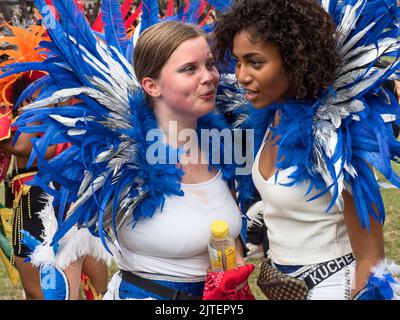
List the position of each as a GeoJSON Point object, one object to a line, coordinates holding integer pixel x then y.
{"type": "Point", "coordinates": [286, 268]}
{"type": "Point", "coordinates": [129, 290]}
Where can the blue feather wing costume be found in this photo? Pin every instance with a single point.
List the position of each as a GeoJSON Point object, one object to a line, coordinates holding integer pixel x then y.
{"type": "Point", "coordinates": [334, 142]}
{"type": "Point", "coordinates": [104, 175]}
{"type": "Point", "coordinates": [352, 124]}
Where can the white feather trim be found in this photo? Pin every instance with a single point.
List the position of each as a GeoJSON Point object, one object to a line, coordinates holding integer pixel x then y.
{"type": "Point", "coordinates": [389, 267]}
{"type": "Point", "coordinates": [75, 244]}
{"type": "Point", "coordinates": [44, 253]}
{"type": "Point", "coordinates": [78, 243]}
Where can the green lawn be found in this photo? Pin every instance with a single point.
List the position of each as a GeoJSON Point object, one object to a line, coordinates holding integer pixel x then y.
{"type": "Point", "coordinates": [391, 231]}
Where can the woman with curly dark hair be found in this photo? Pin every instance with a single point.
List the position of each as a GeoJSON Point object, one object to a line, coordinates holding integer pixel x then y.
{"type": "Point", "coordinates": [300, 37]}
{"type": "Point", "coordinates": [319, 95]}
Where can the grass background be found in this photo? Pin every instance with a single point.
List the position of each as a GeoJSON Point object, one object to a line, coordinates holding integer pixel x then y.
{"type": "Point", "coordinates": [391, 199]}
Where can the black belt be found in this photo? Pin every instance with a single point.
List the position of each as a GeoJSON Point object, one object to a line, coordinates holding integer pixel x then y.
{"type": "Point", "coordinates": [324, 270]}
{"type": "Point", "coordinates": [158, 289]}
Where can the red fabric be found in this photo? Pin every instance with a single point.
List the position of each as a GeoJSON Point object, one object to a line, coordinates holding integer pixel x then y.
{"type": "Point", "coordinates": [19, 182]}
{"type": "Point", "coordinates": [5, 160]}
{"type": "Point", "coordinates": [187, 6]}
{"type": "Point", "coordinates": [61, 147]}
{"type": "Point", "coordinates": [229, 285]}
{"type": "Point", "coordinates": [170, 8]}
{"type": "Point", "coordinates": [80, 4]}
{"type": "Point", "coordinates": [34, 75]}
{"type": "Point", "coordinates": [134, 16]}
{"type": "Point", "coordinates": [5, 126]}
{"type": "Point", "coordinates": [87, 287]}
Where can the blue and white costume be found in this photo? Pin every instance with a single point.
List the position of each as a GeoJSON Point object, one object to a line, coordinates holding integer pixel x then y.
{"type": "Point", "coordinates": [105, 175]}
{"type": "Point", "coordinates": [329, 146]}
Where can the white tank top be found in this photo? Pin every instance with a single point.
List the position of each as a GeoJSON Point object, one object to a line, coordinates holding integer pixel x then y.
{"type": "Point", "coordinates": [174, 242]}
{"type": "Point", "coordinates": [299, 232]}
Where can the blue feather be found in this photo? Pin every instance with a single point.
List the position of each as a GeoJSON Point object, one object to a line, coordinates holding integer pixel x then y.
{"type": "Point", "coordinates": [149, 14]}
{"type": "Point", "coordinates": [74, 20]}
{"type": "Point", "coordinates": [29, 241]}
{"type": "Point", "coordinates": [192, 14]}
{"type": "Point", "coordinates": [31, 89]}
{"type": "Point", "coordinates": [114, 28]}
{"type": "Point", "coordinates": [220, 5]}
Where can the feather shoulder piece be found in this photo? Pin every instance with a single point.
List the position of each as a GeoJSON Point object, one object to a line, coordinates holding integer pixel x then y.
{"type": "Point", "coordinates": [336, 141]}
{"type": "Point", "coordinates": [105, 173]}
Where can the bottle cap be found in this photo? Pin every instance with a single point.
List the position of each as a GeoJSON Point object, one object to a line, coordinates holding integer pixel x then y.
{"type": "Point", "coordinates": [219, 229]}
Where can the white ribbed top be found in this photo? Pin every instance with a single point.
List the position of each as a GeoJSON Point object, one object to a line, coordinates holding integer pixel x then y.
{"type": "Point", "coordinates": [174, 241]}
{"type": "Point", "coordinates": [299, 232]}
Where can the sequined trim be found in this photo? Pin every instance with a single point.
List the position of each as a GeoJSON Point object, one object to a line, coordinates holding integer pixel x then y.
{"type": "Point", "coordinates": [347, 284]}
{"type": "Point", "coordinates": [163, 277]}
{"type": "Point", "coordinates": [17, 221]}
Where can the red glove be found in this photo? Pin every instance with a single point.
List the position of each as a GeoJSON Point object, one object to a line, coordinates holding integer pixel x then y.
{"type": "Point", "coordinates": [229, 285]}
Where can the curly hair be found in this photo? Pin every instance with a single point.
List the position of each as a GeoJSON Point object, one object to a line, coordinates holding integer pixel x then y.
{"type": "Point", "coordinates": [304, 33]}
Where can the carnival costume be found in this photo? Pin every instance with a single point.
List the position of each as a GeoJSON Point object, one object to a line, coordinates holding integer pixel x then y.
{"type": "Point", "coordinates": [28, 200]}
{"type": "Point", "coordinates": [329, 142]}
{"type": "Point", "coordinates": [18, 47]}
{"type": "Point", "coordinates": [105, 175]}
{"type": "Point", "coordinates": [328, 146]}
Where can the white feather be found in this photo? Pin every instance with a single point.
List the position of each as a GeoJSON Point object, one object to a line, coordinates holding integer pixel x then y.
{"type": "Point", "coordinates": [386, 266]}
{"type": "Point", "coordinates": [93, 187]}
{"type": "Point", "coordinates": [78, 243]}
{"type": "Point", "coordinates": [388, 117]}
{"type": "Point", "coordinates": [354, 40]}
{"type": "Point", "coordinates": [74, 245]}
{"type": "Point", "coordinates": [76, 132]}
{"type": "Point", "coordinates": [255, 215]}
{"type": "Point", "coordinates": [349, 93]}
{"type": "Point", "coordinates": [68, 122]}
{"type": "Point", "coordinates": [44, 253]}
{"type": "Point", "coordinates": [349, 20]}
{"type": "Point", "coordinates": [325, 5]}
{"type": "Point", "coordinates": [352, 76]}
{"type": "Point", "coordinates": [56, 97]}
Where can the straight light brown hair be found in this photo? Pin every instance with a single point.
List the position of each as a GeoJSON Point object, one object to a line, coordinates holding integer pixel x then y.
{"type": "Point", "coordinates": [157, 43]}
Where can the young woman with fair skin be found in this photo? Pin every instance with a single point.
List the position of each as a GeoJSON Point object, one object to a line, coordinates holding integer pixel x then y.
{"type": "Point", "coordinates": [174, 65]}
{"type": "Point", "coordinates": [185, 91]}
{"type": "Point", "coordinates": [180, 92]}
